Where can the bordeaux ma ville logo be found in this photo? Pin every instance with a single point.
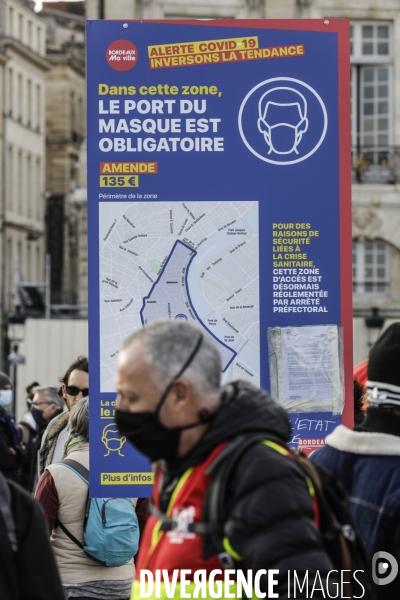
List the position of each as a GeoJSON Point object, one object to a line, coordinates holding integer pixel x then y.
{"type": "Point", "coordinates": [122, 55]}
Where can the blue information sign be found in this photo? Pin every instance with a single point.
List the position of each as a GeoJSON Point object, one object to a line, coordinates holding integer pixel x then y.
{"type": "Point", "coordinates": [219, 193]}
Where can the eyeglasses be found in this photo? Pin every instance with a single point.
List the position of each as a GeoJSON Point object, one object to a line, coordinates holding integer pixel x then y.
{"type": "Point", "coordinates": [36, 404]}
{"type": "Point", "coordinates": [72, 390]}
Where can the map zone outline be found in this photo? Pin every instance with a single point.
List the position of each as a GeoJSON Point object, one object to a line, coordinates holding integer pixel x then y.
{"type": "Point", "coordinates": [224, 355]}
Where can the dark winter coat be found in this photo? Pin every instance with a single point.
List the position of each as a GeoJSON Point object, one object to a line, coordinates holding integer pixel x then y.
{"type": "Point", "coordinates": [9, 461]}
{"type": "Point", "coordinates": [367, 462]}
{"type": "Point", "coordinates": [270, 523]}
{"type": "Point", "coordinates": [31, 572]}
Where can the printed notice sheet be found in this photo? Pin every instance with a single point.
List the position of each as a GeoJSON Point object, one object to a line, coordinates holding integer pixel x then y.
{"type": "Point", "coordinates": [307, 367]}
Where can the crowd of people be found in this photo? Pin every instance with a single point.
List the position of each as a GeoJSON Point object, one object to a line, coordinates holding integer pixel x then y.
{"type": "Point", "coordinates": [229, 492]}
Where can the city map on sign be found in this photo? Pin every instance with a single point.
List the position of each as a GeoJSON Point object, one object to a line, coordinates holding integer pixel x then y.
{"type": "Point", "coordinates": [195, 261]}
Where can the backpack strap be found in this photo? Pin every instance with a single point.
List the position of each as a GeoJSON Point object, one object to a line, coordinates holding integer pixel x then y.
{"type": "Point", "coordinates": [69, 534]}
{"type": "Point", "coordinates": [76, 466]}
{"type": "Point", "coordinates": [214, 510]}
{"type": "Point", "coordinates": [169, 524]}
{"type": "Point", "coordinates": [6, 514]}
{"type": "Point", "coordinates": [77, 542]}
{"type": "Point", "coordinates": [83, 473]}
{"type": "Point", "coordinates": [215, 505]}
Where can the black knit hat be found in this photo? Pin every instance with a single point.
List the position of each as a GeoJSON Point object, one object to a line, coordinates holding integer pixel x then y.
{"type": "Point", "coordinates": [383, 383]}
{"type": "Point", "coordinates": [4, 380]}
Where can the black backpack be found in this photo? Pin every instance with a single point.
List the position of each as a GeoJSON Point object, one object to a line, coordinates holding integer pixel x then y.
{"type": "Point", "coordinates": [338, 531]}
{"type": "Point", "coordinates": [337, 528]}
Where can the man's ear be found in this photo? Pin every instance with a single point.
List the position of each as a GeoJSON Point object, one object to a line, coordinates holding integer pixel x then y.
{"type": "Point", "coordinates": [182, 389]}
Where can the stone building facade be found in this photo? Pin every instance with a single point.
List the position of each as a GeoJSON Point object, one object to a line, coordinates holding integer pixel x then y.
{"type": "Point", "coordinates": [78, 205]}
{"type": "Point", "coordinates": [24, 69]}
{"type": "Point", "coordinates": [65, 131]}
{"type": "Point", "coordinates": [65, 121]}
{"type": "Point", "coordinates": [175, 9]}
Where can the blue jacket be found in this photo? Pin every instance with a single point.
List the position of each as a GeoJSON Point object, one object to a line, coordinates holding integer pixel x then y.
{"type": "Point", "coordinates": [367, 463]}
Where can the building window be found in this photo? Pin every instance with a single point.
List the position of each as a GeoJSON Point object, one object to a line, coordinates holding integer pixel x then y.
{"type": "Point", "coordinates": [20, 181]}
{"type": "Point", "coordinates": [18, 262]}
{"type": "Point", "coordinates": [29, 262]}
{"type": "Point", "coordinates": [371, 259]}
{"type": "Point", "coordinates": [29, 193]}
{"type": "Point", "coordinates": [29, 101]}
{"type": "Point", "coordinates": [81, 116]}
{"type": "Point", "coordinates": [10, 91]}
{"type": "Point", "coordinates": [38, 189]}
{"type": "Point", "coordinates": [371, 83]}
{"type": "Point", "coordinates": [38, 107]}
{"type": "Point", "coordinates": [73, 113]}
{"type": "Point", "coordinates": [21, 27]}
{"type": "Point", "coordinates": [38, 265]}
{"type": "Point", "coordinates": [11, 21]}
{"type": "Point", "coordinates": [10, 179]}
{"type": "Point", "coordinates": [10, 272]}
{"type": "Point", "coordinates": [375, 106]}
{"type": "Point", "coordinates": [39, 40]}
{"type": "Point", "coordinates": [30, 30]}
{"type": "Point", "coordinates": [20, 97]}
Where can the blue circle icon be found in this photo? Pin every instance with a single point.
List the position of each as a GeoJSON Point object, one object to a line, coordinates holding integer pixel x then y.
{"type": "Point", "coordinates": [283, 121]}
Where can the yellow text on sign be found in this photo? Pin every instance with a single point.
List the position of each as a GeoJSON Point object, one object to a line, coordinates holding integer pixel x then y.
{"type": "Point", "coordinates": [126, 478]}
{"type": "Point", "coordinates": [203, 47]}
{"type": "Point", "coordinates": [112, 181]}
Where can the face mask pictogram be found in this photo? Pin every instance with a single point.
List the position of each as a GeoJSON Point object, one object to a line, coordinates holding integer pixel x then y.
{"type": "Point", "coordinates": [112, 439]}
{"type": "Point", "coordinates": [282, 119]}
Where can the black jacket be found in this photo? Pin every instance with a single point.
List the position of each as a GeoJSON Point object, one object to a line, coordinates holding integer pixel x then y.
{"type": "Point", "coordinates": [270, 523]}
{"type": "Point", "coordinates": [29, 464]}
{"type": "Point", "coordinates": [9, 460]}
{"type": "Point", "coordinates": [31, 572]}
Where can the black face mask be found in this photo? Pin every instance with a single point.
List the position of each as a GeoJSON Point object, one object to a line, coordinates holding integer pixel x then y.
{"type": "Point", "coordinates": [38, 416]}
{"type": "Point", "coordinates": [147, 434]}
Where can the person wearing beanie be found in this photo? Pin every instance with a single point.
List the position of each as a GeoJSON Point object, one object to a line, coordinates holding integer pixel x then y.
{"type": "Point", "coordinates": [10, 436]}
{"type": "Point", "coordinates": [367, 460]}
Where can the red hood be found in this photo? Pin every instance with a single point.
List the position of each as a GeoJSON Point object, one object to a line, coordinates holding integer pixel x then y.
{"type": "Point", "coordinates": [360, 372]}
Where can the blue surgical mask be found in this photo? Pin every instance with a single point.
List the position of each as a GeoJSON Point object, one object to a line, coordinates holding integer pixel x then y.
{"type": "Point", "coordinates": [6, 397]}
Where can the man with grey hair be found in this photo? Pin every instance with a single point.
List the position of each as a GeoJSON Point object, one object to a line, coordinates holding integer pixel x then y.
{"type": "Point", "coordinates": [46, 404]}
{"type": "Point", "coordinates": [171, 407]}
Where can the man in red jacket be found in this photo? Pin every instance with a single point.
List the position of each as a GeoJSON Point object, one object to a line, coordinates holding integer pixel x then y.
{"type": "Point", "coordinates": [171, 407]}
